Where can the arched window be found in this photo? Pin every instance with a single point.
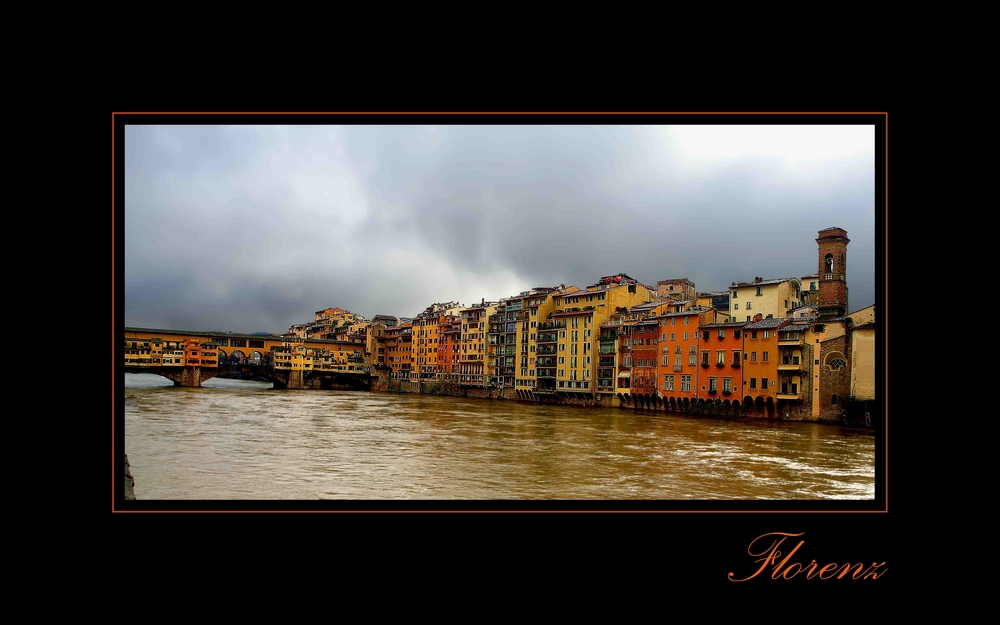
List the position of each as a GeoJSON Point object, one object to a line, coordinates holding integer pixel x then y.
{"type": "Point", "coordinates": [835, 360]}
{"type": "Point", "coordinates": [833, 400]}
{"type": "Point", "coordinates": [829, 263]}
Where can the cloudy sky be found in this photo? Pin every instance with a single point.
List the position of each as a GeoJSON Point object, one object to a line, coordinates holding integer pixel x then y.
{"type": "Point", "coordinates": [254, 228]}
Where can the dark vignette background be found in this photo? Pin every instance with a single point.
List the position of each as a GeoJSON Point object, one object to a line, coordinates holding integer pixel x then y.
{"type": "Point", "coordinates": [619, 545]}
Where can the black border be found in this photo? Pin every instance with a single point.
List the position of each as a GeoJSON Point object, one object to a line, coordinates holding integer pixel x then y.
{"type": "Point", "coordinates": [857, 531]}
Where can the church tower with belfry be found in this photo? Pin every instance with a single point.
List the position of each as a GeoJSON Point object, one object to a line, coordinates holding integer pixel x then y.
{"type": "Point", "coordinates": [832, 300]}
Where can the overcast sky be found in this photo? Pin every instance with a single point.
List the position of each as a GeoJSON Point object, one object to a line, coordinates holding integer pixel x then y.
{"type": "Point", "coordinates": [254, 228]}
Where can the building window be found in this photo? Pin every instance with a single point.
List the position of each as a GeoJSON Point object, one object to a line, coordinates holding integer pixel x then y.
{"type": "Point", "coordinates": [686, 319]}
{"type": "Point", "coordinates": [767, 333]}
{"type": "Point", "coordinates": [759, 291]}
{"type": "Point", "coordinates": [713, 384]}
{"type": "Point", "coordinates": [753, 382]}
{"type": "Point", "coordinates": [753, 356]}
{"type": "Point", "coordinates": [668, 382]}
{"type": "Point", "coordinates": [665, 361]}
{"type": "Point", "coordinates": [673, 336]}
{"type": "Point", "coordinates": [763, 384]}
{"type": "Point", "coordinates": [691, 360]}
{"type": "Point", "coordinates": [736, 357]}
{"type": "Point", "coordinates": [677, 361]}
{"type": "Point", "coordinates": [735, 293]}
{"type": "Point", "coordinates": [764, 357]}
{"type": "Point", "coordinates": [704, 358]}
{"type": "Point", "coordinates": [727, 385]}
{"type": "Point", "coordinates": [720, 357]}
{"type": "Point", "coordinates": [748, 305]}
{"type": "Point", "coordinates": [722, 334]}
{"type": "Point", "coordinates": [686, 383]}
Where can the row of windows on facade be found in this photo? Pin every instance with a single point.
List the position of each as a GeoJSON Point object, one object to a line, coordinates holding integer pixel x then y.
{"type": "Point", "coordinates": [727, 383]}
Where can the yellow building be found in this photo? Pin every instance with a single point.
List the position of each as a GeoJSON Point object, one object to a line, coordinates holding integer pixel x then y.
{"type": "Point", "coordinates": [535, 307]}
{"type": "Point", "coordinates": [863, 354]}
{"type": "Point", "coordinates": [575, 324]}
{"type": "Point", "coordinates": [771, 298]}
{"type": "Point", "coordinates": [297, 356]}
{"type": "Point", "coordinates": [473, 368]}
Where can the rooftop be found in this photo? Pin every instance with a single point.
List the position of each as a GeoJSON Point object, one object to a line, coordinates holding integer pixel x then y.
{"type": "Point", "coordinates": [763, 282]}
{"type": "Point", "coordinates": [683, 313]}
{"type": "Point", "coordinates": [767, 324]}
{"type": "Point", "coordinates": [728, 324]}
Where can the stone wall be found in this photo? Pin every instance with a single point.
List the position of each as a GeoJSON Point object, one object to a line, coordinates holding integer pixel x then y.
{"type": "Point", "coordinates": [129, 481]}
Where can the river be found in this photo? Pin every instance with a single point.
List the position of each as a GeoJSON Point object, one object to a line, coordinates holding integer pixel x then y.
{"type": "Point", "coordinates": [236, 439]}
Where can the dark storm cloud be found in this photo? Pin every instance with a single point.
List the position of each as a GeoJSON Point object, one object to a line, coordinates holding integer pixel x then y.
{"type": "Point", "coordinates": [254, 228]}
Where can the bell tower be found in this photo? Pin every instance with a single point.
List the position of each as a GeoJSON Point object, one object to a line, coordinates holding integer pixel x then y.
{"type": "Point", "coordinates": [832, 301]}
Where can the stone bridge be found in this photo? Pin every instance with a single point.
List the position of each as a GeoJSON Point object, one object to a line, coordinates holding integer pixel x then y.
{"type": "Point", "coordinates": [190, 376]}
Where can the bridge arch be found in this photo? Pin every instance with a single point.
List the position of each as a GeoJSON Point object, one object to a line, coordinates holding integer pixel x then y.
{"type": "Point", "coordinates": [237, 357]}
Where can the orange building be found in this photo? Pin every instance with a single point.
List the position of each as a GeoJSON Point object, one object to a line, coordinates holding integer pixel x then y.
{"type": "Point", "coordinates": [760, 364]}
{"type": "Point", "coordinates": [644, 340]}
{"type": "Point", "coordinates": [449, 347]}
{"type": "Point", "coordinates": [678, 369]}
{"type": "Point", "coordinates": [721, 362]}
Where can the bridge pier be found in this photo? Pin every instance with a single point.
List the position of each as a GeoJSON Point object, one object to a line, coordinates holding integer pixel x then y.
{"type": "Point", "coordinates": [189, 377]}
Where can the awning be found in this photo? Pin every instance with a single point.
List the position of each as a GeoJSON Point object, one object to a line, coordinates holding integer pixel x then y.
{"type": "Point", "coordinates": [625, 374]}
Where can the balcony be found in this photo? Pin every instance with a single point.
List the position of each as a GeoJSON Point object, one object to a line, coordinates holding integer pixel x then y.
{"type": "Point", "coordinates": [792, 396]}
{"type": "Point", "coordinates": [789, 342]}
{"type": "Point", "coordinates": [551, 325]}
{"type": "Point", "coordinates": [790, 364]}
{"type": "Point", "coordinates": [678, 368]}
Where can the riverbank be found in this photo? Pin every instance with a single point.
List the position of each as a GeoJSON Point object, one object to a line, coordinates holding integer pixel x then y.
{"type": "Point", "coordinates": [129, 481]}
{"type": "Point", "coordinates": [639, 403]}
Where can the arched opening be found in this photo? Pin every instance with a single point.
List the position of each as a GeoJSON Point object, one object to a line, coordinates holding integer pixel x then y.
{"type": "Point", "coordinates": [770, 407]}
{"type": "Point", "coordinates": [237, 357]}
{"type": "Point", "coordinates": [828, 263]}
{"type": "Point", "coordinates": [759, 405]}
{"type": "Point", "coordinates": [833, 400]}
{"type": "Point", "coordinates": [256, 358]}
{"type": "Point", "coordinates": [222, 357]}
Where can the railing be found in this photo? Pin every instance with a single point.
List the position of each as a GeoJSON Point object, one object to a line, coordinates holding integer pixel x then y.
{"type": "Point", "coordinates": [549, 325]}
{"type": "Point", "coordinates": [678, 368]}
